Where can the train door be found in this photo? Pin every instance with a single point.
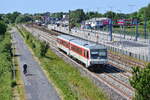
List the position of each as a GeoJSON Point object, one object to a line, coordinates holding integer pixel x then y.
{"type": "Point", "coordinates": [86, 55]}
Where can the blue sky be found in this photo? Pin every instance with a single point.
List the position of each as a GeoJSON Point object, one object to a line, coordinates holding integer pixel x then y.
{"type": "Point", "coordinates": [37, 6]}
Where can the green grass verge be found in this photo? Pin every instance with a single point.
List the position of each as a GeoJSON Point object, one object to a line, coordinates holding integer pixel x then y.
{"type": "Point", "coordinates": [132, 31]}
{"type": "Point", "coordinates": [70, 82]}
{"type": "Point", "coordinates": [18, 90]}
{"type": "Point", "coordinates": [5, 67]}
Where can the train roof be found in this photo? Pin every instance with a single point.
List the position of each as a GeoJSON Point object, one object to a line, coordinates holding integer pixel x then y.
{"type": "Point", "coordinates": [81, 42]}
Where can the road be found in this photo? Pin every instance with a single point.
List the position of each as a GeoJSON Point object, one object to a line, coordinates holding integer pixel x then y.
{"type": "Point", "coordinates": [37, 86]}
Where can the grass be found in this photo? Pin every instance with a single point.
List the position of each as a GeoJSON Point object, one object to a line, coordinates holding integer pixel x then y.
{"type": "Point", "coordinates": [132, 31]}
{"type": "Point", "coordinates": [5, 68]}
{"type": "Point", "coordinates": [18, 90]}
{"type": "Point", "coordinates": [9, 88]}
{"type": "Point", "coordinates": [71, 84]}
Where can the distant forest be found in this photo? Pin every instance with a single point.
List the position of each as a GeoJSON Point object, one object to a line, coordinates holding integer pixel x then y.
{"type": "Point", "coordinates": [78, 15]}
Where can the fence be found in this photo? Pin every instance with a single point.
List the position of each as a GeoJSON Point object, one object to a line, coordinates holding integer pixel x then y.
{"type": "Point", "coordinates": [92, 36]}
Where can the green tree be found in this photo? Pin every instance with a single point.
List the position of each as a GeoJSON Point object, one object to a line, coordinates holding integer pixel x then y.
{"type": "Point", "coordinates": [134, 15]}
{"type": "Point", "coordinates": [57, 15]}
{"type": "Point", "coordinates": [11, 17]}
{"type": "Point", "coordinates": [3, 28]}
{"type": "Point", "coordinates": [90, 15]}
{"type": "Point", "coordinates": [147, 12]}
{"type": "Point", "coordinates": [110, 14]}
{"type": "Point", "coordinates": [23, 19]}
{"type": "Point", "coordinates": [141, 13]}
{"type": "Point", "coordinates": [140, 81]}
{"type": "Point", "coordinates": [44, 48]}
{"type": "Point", "coordinates": [6, 19]}
{"type": "Point", "coordinates": [76, 17]}
{"type": "Point", "coordinates": [1, 15]}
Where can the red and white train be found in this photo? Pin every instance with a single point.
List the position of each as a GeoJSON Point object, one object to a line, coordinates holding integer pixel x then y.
{"type": "Point", "coordinates": [88, 53]}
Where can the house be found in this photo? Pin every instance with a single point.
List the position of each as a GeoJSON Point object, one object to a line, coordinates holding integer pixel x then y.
{"type": "Point", "coordinates": [97, 22]}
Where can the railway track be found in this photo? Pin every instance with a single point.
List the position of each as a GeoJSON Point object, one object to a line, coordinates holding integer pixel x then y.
{"type": "Point", "coordinates": [112, 80]}
{"type": "Point", "coordinates": [119, 75]}
{"type": "Point", "coordinates": [119, 59]}
{"type": "Point", "coordinates": [115, 78]}
{"type": "Point", "coordinates": [119, 67]}
{"type": "Point", "coordinates": [125, 61]}
{"type": "Point", "coordinates": [111, 62]}
{"type": "Point", "coordinates": [122, 75]}
{"type": "Point", "coordinates": [114, 57]}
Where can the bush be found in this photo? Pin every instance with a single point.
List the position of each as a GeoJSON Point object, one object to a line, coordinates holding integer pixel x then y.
{"type": "Point", "coordinates": [5, 68]}
{"type": "Point", "coordinates": [44, 48]}
{"type": "Point", "coordinates": [40, 48]}
{"type": "Point", "coordinates": [140, 81]}
{"type": "Point", "coordinates": [3, 28]}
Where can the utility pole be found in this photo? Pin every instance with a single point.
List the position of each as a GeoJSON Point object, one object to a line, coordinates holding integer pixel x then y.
{"type": "Point", "coordinates": [145, 25]}
{"type": "Point", "coordinates": [110, 30]}
{"type": "Point", "coordinates": [69, 19]}
{"type": "Point", "coordinates": [110, 25]}
{"type": "Point", "coordinates": [137, 34]}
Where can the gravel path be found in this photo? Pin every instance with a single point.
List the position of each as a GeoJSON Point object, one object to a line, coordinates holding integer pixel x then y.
{"type": "Point", "coordinates": [37, 86]}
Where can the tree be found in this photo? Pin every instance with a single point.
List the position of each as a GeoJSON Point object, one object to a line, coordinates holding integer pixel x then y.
{"type": "Point", "coordinates": [134, 15]}
{"type": "Point", "coordinates": [110, 14]}
{"type": "Point", "coordinates": [1, 15]}
{"type": "Point", "coordinates": [23, 19]}
{"type": "Point", "coordinates": [147, 12]}
{"type": "Point", "coordinates": [44, 48]}
{"type": "Point", "coordinates": [76, 17]}
{"type": "Point", "coordinates": [3, 28]}
{"type": "Point", "coordinates": [140, 81]}
{"type": "Point", "coordinates": [10, 18]}
{"type": "Point", "coordinates": [58, 15]}
{"type": "Point", "coordinates": [90, 15]}
{"type": "Point", "coordinates": [141, 13]}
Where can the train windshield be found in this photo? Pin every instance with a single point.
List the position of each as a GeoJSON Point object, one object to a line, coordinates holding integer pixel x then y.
{"type": "Point", "coordinates": [99, 54]}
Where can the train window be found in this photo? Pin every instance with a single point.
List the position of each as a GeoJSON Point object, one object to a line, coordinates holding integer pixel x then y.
{"type": "Point", "coordinates": [64, 43]}
{"type": "Point", "coordinates": [76, 49]}
{"type": "Point", "coordinates": [79, 50]}
{"type": "Point", "coordinates": [99, 53]}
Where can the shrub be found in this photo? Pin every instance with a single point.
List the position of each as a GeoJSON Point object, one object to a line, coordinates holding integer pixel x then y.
{"type": "Point", "coordinates": [140, 81]}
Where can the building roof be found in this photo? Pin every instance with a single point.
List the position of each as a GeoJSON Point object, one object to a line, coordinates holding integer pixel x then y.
{"type": "Point", "coordinates": [97, 19]}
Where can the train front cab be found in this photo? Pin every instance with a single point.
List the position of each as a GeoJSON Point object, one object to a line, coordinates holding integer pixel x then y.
{"type": "Point", "coordinates": [98, 56]}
